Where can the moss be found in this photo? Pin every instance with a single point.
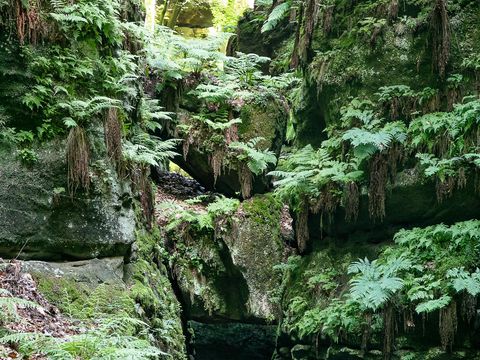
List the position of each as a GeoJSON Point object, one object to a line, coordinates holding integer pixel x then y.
{"type": "Point", "coordinates": [85, 302]}
{"type": "Point", "coordinates": [346, 62]}
{"type": "Point", "coordinates": [152, 292]}
{"type": "Point", "coordinates": [267, 119]}
{"type": "Point", "coordinates": [263, 210]}
{"type": "Point", "coordinates": [320, 276]}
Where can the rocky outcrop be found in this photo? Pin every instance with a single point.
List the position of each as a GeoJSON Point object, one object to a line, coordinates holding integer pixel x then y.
{"type": "Point", "coordinates": [39, 220]}
{"type": "Point", "coordinates": [231, 276]}
{"type": "Point", "coordinates": [197, 15]}
{"type": "Point", "coordinates": [268, 121]}
{"type": "Point", "coordinates": [92, 273]}
{"type": "Point", "coordinates": [410, 202]}
{"type": "Point", "coordinates": [226, 276]}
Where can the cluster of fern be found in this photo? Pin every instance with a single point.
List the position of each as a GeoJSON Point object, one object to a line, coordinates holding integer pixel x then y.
{"type": "Point", "coordinates": [370, 143]}
{"type": "Point", "coordinates": [221, 85]}
{"type": "Point", "coordinates": [427, 270]}
{"type": "Point", "coordinates": [87, 77]}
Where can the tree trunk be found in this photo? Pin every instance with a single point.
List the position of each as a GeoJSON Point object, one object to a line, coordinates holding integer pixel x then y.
{"type": "Point", "coordinates": [177, 8]}
{"type": "Point", "coordinates": [166, 3]}
{"type": "Point", "coordinates": [295, 57]}
{"type": "Point", "coordinates": [389, 332]}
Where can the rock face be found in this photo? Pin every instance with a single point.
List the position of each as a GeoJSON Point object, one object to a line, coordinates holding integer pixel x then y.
{"type": "Point", "coordinates": [268, 121]}
{"type": "Point", "coordinates": [38, 220]}
{"type": "Point", "coordinates": [197, 15]}
{"type": "Point", "coordinates": [236, 280]}
{"type": "Point", "coordinates": [256, 245]}
{"type": "Point", "coordinates": [411, 202]}
{"type": "Point", "coordinates": [226, 279]}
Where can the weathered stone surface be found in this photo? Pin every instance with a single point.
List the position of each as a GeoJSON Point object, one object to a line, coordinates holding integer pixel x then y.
{"type": "Point", "coordinates": [40, 221]}
{"type": "Point", "coordinates": [256, 246]}
{"type": "Point", "coordinates": [268, 121]}
{"type": "Point", "coordinates": [89, 272]}
{"type": "Point", "coordinates": [411, 202]}
{"type": "Point", "coordinates": [234, 279]}
{"type": "Point", "coordinates": [196, 14]}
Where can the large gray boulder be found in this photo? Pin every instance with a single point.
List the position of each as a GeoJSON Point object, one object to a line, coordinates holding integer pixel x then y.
{"type": "Point", "coordinates": [38, 220]}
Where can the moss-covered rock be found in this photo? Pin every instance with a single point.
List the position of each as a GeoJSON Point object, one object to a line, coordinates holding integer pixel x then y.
{"type": "Point", "coordinates": [256, 245]}
{"type": "Point", "coordinates": [93, 289]}
{"type": "Point", "coordinates": [267, 119]}
{"type": "Point", "coordinates": [39, 220]}
{"type": "Point", "coordinates": [227, 273]}
{"type": "Point", "coordinates": [411, 201]}
{"type": "Point", "coordinates": [358, 48]}
{"type": "Point", "coordinates": [156, 302]}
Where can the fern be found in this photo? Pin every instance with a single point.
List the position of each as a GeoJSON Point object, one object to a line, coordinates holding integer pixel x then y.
{"type": "Point", "coordinates": [367, 142]}
{"type": "Point", "coordinates": [81, 111]}
{"type": "Point", "coordinates": [464, 281]}
{"type": "Point", "coordinates": [9, 305]}
{"type": "Point", "coordinates": [145, 149]}
{"type": "Point", "coordinates": [257, 160]}
{"type": "Point", "coordinates": [433, 305]}
{"type": "Point", "coordinates": [307, 171]}
{"type": "Point", "coordinates": [375, 284]}
{"type": "Point", "coordinates": [112, 339]}
{"type": "Point", "coordinates": [276, 16]}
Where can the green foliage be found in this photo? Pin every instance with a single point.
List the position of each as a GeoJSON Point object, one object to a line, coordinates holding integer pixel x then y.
{"type": "Point", "coordinates": [144, 149]}
{"type": "Point", "coordinates": [367, 142]}
{"type": "Point", "coordinates": [306, 172]}
{"type": "Point", "coordinates": [28, 156]}
{"type": "Point", "coordinates": [278, 13]}
{"type": "Point", "coordinates": [173, 57]}
{"type": "Point", "coordinates": [433, 305]}
{"type": "Point", "coordinates": [375, 284]}
{"type": "Point", "coordinates": [256, 160]}
{"type": "Point", "coordinates": [426, 269]}
{"type": "Point", "coordinates": [185, 220]}
{"type": "Point", "coordinates": [97, 19]}
{"type": "Point", "coordinates": [112, 338]}
{"type": "Point", "coordinates": [462, 280]}
{"type": "Point", "coordinates": [80, 111]}
{"type": "Point", "coordinates": [10, 304]}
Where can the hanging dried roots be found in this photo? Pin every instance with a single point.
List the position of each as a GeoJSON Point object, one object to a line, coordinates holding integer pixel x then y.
{"type": "Point", "coordinates": [310, 19]}
{"type": "Point", "coordinates": [445, 188]}
{"type": "Point", "coordinates": [328, 19]}
{"type": "Point", "coordinates": [393, 9]}
{"type": "Point", "coordinates": [28, 23]}
{"type": "Point", "coordinates": [327, 202]}
{"type": "Point", "coordinates": [216, 162]}
{"type": "Point", "coordinates": [231, 134]}
{"type": "Point", "coordinates": [447, 326]}
{"type": "Point", "coordinates": [351, 201]}
{"type": "Point", "coordinates": [77, 160]}
{"type": "Point", "coordinates": [301, 228]}
{"type": "Point", "coordinates": [245, 177]}
{"type": "Point", "coordinates": [395, 157]}
{"type": "Point", "coordinates": [389, 332]}
{"type": "Point", "coordinates": [408, 321]}
{"type": "Point", "coordinates": [187, 142]}
{"type": "Point", "coordinates": [139, 176]}
{"type": "Point", "coordinates": [377, 188]}
{"type": "Point", "coordinates": [461, 178]}
{"type": "Point", "coordinates": [469, 307]}
{"type": "Point", "coordinates": [441, 36]}
{"type": "Point", "coordinates": [367, 330]}
{"type": "Point", "coordinates": [113, 136]}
